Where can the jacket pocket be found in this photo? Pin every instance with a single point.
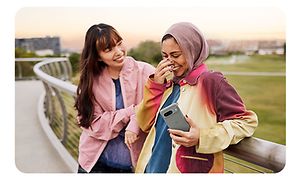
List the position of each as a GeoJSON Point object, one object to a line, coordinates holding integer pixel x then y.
{"type": "Point", "coordinates": [189, 161]}
{"type": "Point", "coordinates": [195, 158]}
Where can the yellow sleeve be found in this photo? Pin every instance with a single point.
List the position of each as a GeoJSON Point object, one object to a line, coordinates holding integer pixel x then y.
{"type": "Point", "coordinates": [225, 133]}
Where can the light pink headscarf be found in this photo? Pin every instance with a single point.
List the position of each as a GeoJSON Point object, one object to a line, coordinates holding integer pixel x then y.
{"type": "Point", "coordinates": [192, 43]}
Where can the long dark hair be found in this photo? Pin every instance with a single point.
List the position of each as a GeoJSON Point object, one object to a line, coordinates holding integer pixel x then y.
{"type": "Point", "coordinates": [98, 38]}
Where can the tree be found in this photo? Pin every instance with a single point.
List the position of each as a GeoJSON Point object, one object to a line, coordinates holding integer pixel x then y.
{"type": "Point", "coordinates": [148, 51]}
{"type": "Point", "coordinates": [22, 53]}
{"type": "Point", "coordinates": [74, 60]}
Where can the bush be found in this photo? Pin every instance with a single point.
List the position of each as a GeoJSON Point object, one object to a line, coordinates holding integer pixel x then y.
{"type": "Point", "coordinates": [74, 59]}
{"type": "Point", "coordinates": [148, 51]}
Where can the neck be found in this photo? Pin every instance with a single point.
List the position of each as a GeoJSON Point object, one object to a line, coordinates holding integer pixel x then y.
{"type": "Point", "coordinates": [114, 72]}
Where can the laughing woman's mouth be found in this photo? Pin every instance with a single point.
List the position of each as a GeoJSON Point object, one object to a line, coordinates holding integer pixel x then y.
{"type": "Point", "coordinates": [175, 68]}
{"type": "Point", "coordinates": [119, 59]}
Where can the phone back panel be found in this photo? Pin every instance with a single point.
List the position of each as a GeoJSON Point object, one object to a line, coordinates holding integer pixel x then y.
{"type": "Point", "coordinates": [174, 117]}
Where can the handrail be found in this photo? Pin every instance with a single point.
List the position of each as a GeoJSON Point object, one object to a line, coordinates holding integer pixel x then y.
{"type": "Point", "coordinates": [253, 150]}
{"type": "Point", "coordinates": [260, 152]}
{"type": "Point", "coordinates": [58, 83]}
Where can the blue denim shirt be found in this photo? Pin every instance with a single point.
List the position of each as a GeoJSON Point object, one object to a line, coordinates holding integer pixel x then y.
{"type": "Point", "coordinates": [162, 148]}
{"type": "Point", "coordinates": [116, 154]}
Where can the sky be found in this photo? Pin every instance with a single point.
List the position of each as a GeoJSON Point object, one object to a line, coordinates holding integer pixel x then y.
{"type": "Point", "coordinates": [136, 24]}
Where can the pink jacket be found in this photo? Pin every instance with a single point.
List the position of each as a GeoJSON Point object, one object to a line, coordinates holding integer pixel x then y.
{"type": "Point", "coordinates": [108, 121]}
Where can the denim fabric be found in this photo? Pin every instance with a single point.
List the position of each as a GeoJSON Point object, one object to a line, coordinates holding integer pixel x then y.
{"type": "Point", "coordinates": [116, 154]}
{"type": "Point", "coordinates": [162, 148]}
{"type": "Point", "coordinates": [101, 168]}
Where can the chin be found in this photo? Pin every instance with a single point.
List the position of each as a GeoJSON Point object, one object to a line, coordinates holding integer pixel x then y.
{"type": "Point", "coordinates": [178, 74]}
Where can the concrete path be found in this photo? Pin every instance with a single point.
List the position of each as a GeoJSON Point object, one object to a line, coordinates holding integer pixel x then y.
{"type": "Point", "coordinates": [33, 151]}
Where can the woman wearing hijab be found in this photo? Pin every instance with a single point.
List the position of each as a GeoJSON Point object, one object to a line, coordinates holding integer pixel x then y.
{"type": "Point", "coordinates": [213, 109]}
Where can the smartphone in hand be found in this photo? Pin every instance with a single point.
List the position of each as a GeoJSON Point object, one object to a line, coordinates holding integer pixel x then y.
{"type": "Point", "coordinates": [174, 117]}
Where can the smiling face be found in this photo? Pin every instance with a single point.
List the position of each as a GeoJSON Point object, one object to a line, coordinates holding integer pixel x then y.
{"type": "Point", "coordinates": [170, 50]}
{"type": "Point", "coordinates": [114, 56]}
{"type": "Point", "coordinates": [110, 48]}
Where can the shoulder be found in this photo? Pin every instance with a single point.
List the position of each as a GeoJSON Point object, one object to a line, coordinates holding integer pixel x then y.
{"type": "Point", "coordinates": [212, 82]}
{"type": "Point", "coordinates": [140, 65]}
{"type": "Point", "coordinates": [212, 77]}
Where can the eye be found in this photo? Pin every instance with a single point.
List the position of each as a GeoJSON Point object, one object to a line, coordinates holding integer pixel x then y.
{"type": "Point", "coordinates": [176, 55]}
{"type": "Point", "coordinates": [164, 55]}
{"type": "Point", "coordinates": [119, 43]}
{"type": "Point", "coordinates": [107, 50]}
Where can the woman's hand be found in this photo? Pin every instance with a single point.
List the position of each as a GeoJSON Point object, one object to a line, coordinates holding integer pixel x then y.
{"type": "Point", "coordinates": [163, 69]}
{"type": "Point", "coordinates": [186, 139]}
{"type": "Point", "coordinates": [130, 138]}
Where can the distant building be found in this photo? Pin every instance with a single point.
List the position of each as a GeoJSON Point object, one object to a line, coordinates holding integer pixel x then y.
{"type": "Point", "coordinates": [271, 47]}
{"type": "Point", "coordinates": [41, 46]}
{"type": "Point", "coordinates": [216, 47]}
{"type": "Point", "coordinates": [248, 47]}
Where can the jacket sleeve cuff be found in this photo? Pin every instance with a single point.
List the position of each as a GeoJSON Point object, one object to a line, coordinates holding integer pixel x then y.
{"type": "Point", "coordinates": [151, 84]}
{"type": "Point", "coordinates": [132, 125]}
{"type": "Point", "coordinates": [213, 140]}
{"type": "Point", "coordinates": [130, 111]}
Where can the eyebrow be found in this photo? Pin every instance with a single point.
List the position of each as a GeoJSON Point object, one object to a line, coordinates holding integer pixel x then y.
{"type": "Point", "coordinates": [174, 52]}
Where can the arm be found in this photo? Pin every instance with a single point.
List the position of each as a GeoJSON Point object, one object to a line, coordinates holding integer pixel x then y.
{"type": "Point", "coordinates": [234, 122]}
{"type": "Point", "coordinates": [145, 70]}
{"type": "Point", "coordinates": [107, 125]}
{"type": "Point", "coordinates": [153, 93]}
{"type": "Point", "coordinates": [133, 131]}
{"type": "Point", "coordinates": [147, 109]}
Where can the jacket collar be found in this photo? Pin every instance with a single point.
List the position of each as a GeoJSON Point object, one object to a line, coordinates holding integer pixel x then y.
{"type": "Point", "coordinates": [128, 66]}
{"type": "Point", "coordinates": [193, 76]}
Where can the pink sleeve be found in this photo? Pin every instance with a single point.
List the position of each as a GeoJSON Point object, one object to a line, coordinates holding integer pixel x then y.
{"type": "Point", "coordinates": [107, 125]}
{"type": "Point", "coordinates": [132, 125]}
{"type": "Point", "coordinates": [147, 71]}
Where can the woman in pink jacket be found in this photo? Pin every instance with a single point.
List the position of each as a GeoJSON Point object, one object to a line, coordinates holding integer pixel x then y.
{"type": "Point", "coordinates": [111, 85]}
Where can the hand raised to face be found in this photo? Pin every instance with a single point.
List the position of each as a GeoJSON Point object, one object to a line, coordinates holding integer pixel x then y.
{"type": "Point", "coordinates": [163, 69]}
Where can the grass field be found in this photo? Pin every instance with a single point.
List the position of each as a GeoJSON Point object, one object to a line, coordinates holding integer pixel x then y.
{"type": "Point", "coordinates": [266, 95]}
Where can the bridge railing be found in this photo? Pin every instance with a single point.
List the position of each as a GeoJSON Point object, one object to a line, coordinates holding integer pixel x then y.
{"type": "Point", "coordinates": [24, 68]}
{"type": "Point", "coordinates": [57, 111]}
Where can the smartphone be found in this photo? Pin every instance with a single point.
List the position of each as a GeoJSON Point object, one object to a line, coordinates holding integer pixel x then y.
{"type": "Point", "coordinates": [174, 117]}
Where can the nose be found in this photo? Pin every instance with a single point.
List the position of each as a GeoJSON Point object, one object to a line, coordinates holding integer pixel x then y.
{"type": "Point", "coordinates": [171, 60]}
{"type": "Point", "coordinates": [119, 50]}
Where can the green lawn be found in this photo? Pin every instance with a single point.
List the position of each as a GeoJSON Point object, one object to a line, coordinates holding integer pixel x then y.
{"type": "Point", "coordinates": [256, 63]}
{"type": "Point", "coordinates": [266, 95]}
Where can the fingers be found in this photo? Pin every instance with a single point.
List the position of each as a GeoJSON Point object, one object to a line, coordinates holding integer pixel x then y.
{"type": "Point", "coordinates": [130, 138]}
{"type": "Point", "coordinates": [178, 136]}
{"type": "Point", "coordinates": [128, 142]}
{"type": "Point", "coordinates": [187, 139]}
{"type": "Point", "coordinates": [163, 70]}
{"type": "Point", "coordinates": [163, 64]}
{"type": "Point", "coordinates": [190, 121]}
{"type": "Point", "coordinates": [177, 132]}
{"type": "Point", "coordinates": [180, 140]}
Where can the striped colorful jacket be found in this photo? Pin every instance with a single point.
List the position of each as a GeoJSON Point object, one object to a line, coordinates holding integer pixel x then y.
{"type": "Point", "coordinates": [214, 105]}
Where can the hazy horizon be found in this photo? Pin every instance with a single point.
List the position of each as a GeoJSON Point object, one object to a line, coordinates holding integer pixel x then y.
{"type": "Point", "coordinates": [139, 24]}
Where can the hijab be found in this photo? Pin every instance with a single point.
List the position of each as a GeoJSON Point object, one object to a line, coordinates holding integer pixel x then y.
{"type": "Point", "coordinates": [192, 43]}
